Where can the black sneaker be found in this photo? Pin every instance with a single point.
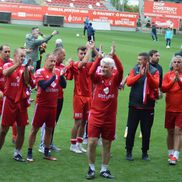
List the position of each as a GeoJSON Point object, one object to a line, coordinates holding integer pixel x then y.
{"type": "Point", "coordinates": [129, 156]}
{"type": "Point", "coordinates": [145, 157]}
{"type": "Point", "coordinates": [29, 157]}
{"type": "Point", "coordinates": [90, 174]}
{"type": "Point", "coordinates": [18, 158]}
{"type": "Point", "coordinates": [106, 174]}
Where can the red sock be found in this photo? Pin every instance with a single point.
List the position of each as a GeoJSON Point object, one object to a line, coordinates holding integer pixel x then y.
{"type": "Point", "coordinates": [79, 139]}
{"type": "Point", "coordinates": [73, 141]}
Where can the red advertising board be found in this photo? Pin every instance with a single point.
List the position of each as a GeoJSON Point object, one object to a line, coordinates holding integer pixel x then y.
{"type": "Point", "coordinates": [30, 12]}
{"type": "Point", "coordinates": [166, 22]}
{"type": "Point", "coordinates": [168, 10]}
{"type": "Point", "coordinates": [164, 12]}
{"type": "Point", "coordinates": [23, 12]}
{"type": "Point", "coordinates": [121, 19]}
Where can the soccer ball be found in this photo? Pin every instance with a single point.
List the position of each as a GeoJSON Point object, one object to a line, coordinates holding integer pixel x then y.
{"type": "Point", "coordinates": [77, 34]}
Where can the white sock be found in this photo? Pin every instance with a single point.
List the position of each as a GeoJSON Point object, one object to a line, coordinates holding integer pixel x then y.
{"type": "Point", "coordinates": [176, 154]}
{"type": "Point", "coordinates": [92, 167]}
{"type": "Point", "coordinates": [78, 144]}
{"type": "Point", "coordinates": [104, 168]}
{"type": "Point", "coordinates": [170, 152]}
{"type": "Point", "coordinates": [16, 152]}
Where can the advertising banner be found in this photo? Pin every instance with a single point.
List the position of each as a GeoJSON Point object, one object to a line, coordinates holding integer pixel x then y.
{"type": "Point", "coordinates": [75, 16]}
{"type": "Point", "coordinates": [23, 12]}
{"type": "Point", "coordinates": [166, 22]}
{"type": "Point", "coordinates": [164, 12]}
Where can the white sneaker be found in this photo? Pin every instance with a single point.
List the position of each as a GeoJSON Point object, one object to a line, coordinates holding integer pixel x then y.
{"type": "Point", "coordinates": [85, 141]}
{"type": "Point", "coordinates": [168, 47]}
{"type": "Point", "coordinates": [80, 147]}
{"type": "Point", "coordinates": [99, 142]}
{"type": "Point", "coordinates": [55, 148]}
{"type": "Point", "coordinates": [75, 149]}
{"type": "Point", "coordinates": [41, 149]}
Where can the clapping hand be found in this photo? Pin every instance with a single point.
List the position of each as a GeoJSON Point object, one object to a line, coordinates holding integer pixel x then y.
{"type": "Point", "coordinates": [142, 70]}
{"type": "Point", "coordinates": [63, 71]}
{"type": "Point", "coordinates": [177, 77]}
{"type": "Point", "coordinates": [69, 62]}
{"type": "Point", "coordinates": [113, 49]}
{"type": "Point", "coordinates": [28, 63]}
{"type": "Point", "coordinates": [147, 67]}
{"type": "Point", "coordinates": [100, 53]}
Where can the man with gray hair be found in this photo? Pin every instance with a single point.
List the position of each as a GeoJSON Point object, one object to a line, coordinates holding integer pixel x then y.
{"type": "Point", "coordinates": [102, 117]}
{"type": "Point", "coordinates": [172, 86]}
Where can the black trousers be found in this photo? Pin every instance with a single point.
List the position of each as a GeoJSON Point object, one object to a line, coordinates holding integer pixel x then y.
{"type": "Point", "coordinates": [92, 37]}
{"type": "Point", "coordinates": [154, 36]}
{"type": "Point", "coordinates": [168, 42]}
{"type": "Point", "coordinates": [84, 30]}
{"type": "Point", "coordinates": [59, 109]}
{"type": "Point", "coordinates": [146, 118]}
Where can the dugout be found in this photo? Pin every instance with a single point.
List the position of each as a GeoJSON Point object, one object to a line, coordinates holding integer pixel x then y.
{"type": "Point", "coordinates": [53, 20]}
{"type": "Point", "coordinates": [5, 17]}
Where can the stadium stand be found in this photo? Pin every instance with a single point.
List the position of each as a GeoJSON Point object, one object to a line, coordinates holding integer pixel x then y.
{"type": "Point", "coordinates": [91, 4]}
{"type": "Point", "coordinates": [86, 4]}
{"type": "Point", "coordinates": [20, 1]}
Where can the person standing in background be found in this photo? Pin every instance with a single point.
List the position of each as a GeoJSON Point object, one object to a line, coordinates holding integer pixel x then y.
{"type": "Point", "coordinates": [86, 24]}
{"type": "Point", "coordinates": [154, 61]}
{"type": "Point", "coordinates": [90, 33]}
{"type": "Point", "coordinates": [168, 37]}
{"type": "Point", "coordinates": [154, 32]}
{"type": "Point", "coordinates": [32, 43]}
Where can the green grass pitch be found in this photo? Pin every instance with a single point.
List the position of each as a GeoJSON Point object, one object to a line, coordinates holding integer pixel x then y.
{"type": "Point", "coordinates": [73, 167]}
